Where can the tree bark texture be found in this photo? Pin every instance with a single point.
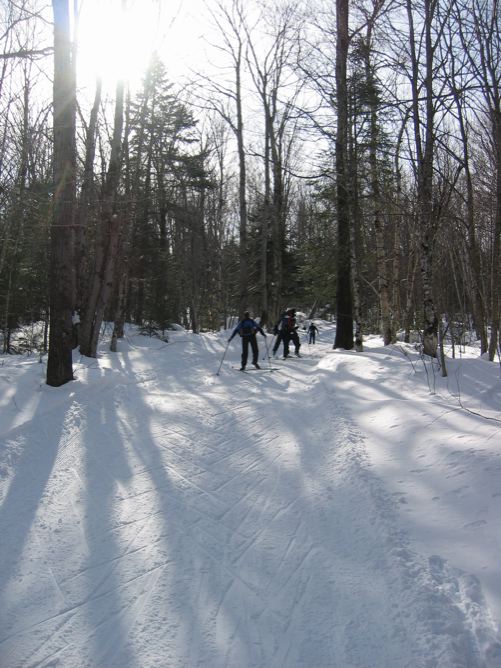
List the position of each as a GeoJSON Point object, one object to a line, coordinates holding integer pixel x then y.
{"type": "Point", "coordinates": [62, 274]}
{"type": "Point", "coordinates": [344, 298]}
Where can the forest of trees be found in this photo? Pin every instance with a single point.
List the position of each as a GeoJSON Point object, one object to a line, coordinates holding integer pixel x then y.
{"type": "Point", "coordinates": [343, 158]}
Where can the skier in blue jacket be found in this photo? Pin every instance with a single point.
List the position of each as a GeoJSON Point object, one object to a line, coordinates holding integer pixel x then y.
{"type": "Point", "coordinates": [247, 330]}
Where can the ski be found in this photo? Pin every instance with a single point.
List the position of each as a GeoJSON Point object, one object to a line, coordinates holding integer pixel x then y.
{"type": "Point", "coordinates": [273, 368]}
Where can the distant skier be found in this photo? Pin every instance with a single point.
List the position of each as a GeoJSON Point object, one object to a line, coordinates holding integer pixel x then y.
{"type": "Point", "coordinates": [312, 331]}
{"type": "Point", "coordinates": [247, 330]}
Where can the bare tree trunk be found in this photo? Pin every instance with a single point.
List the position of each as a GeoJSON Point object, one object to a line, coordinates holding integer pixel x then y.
{"type": "Point", "coordinates": [136, 212]}
{"type": "Point", "coordinates": [474, 283]}
{"type": "Point", "coordinates": [475, 287]}
{"type": "Point", "coordinates": [108, 242]}
{"type": "Point", "coordinates": [496, 249]}
{"type": "Point", "coordinates": [16, 221]}
{"type": "Point", "coordinates": [119, 318]}
{"type": "Point", "coordinates": [267, 70]}
{"type": "Point", "coordinates": [62, 275]}
{"type": "Point", "coordinates": [277, 220]}
{"type": "Point", "coordinates": [356, 250]}
{"type": "Point", "coordinates": [356, 218]}
{"type": "Point", "coordinates": [85, 205]}
{"type": "Point", "coordinates": [398, 222]}
{"type": "Point", "coordinates": [131, 195]}
{"type": "Point", "coordinates": [242, 191]}
{"type": "Point", "coordinates": [480, 31]}
{"type": "Point", "coordinates": [409, 300]}
{"type": "Point", "coordinates": [424, 156]}
{"type": "Point", "coordinates": [265, 227]}
{"type": "Point", "coordinates": [443, 365]}
{"type": "Point", "coordinates": [344, 297]}
{"type": "Point", "coordinates": [374, 10]}
{"type": "Point", "coordinates": [382, 272]}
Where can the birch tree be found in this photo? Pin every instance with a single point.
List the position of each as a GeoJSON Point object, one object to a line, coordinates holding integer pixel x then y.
{"type": "Point", "coordinates": [421, 52]}
{"type": "Point", "coordinates": [107, 241]}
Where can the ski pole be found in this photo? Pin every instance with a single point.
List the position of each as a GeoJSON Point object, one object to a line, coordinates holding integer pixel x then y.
{"type": "Point", "coordinates": [267, 351]}
{"type": "Point", "coordinates": [267, 348]}
{"type": "Point", "coordinates": [222, 359]}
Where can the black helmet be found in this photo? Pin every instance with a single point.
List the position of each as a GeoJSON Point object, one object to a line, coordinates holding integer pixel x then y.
{"type": "Point", "coordinates": [246, 314]}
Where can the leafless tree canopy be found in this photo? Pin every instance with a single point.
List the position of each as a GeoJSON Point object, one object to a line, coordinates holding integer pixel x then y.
{"type": "Point", "coordinates": [343, 158]}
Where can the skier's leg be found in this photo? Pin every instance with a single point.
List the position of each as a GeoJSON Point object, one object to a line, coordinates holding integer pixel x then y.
{"type": "Point", "coordinates": [245, 350]}
{"type": "Point", "coordinates": [285, 337]}
{"type": "Point", "coordinates": [277, 343]}
{"type": "Point", "coordinates": [255, 351]}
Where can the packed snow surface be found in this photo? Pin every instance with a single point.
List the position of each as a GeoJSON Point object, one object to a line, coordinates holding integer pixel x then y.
{"type": "Point", "coordinates": [342, 511]}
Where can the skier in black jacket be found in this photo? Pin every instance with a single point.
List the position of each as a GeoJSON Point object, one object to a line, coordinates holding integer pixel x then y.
{"type": "Point", "coordinates": [277, 330]}
{"type": "Point", "coordinates": [289, 329]}
{"type": "Point", "coordinates": [312, 331]}
{"type": "Point", "coordinates": [247, 329]}
{"type": "Point", "coordinates": [286, 330]}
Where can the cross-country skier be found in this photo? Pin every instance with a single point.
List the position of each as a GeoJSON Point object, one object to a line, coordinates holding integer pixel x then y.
{"type": "Point", "coordinates": [289, 332]}
{"type": "Point", "coordinates": [277, 330]}
{"type": "Point", "coordinates": [247, 330]}
{"type": "Point", "coordinates": [312, 331]}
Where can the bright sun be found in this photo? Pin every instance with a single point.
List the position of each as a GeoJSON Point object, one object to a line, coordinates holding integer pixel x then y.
{"type": "Point", "coordinates": [114, 43]}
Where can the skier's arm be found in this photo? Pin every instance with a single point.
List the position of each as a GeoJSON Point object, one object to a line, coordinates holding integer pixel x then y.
{"type": "Point", "coordinates": [235, 331]}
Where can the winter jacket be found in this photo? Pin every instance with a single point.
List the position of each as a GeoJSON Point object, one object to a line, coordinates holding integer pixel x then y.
{"type": "Point", "coordinates": [289, 324]}
{"type": "Point", "coordinates": [247, 327]}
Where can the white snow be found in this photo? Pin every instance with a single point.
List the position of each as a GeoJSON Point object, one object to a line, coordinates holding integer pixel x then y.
{"type": "Point", "coordinates": [342, 512]}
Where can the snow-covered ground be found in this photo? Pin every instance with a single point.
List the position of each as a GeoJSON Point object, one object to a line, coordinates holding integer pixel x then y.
{"type": "Point", "coordinates": [343, 511]}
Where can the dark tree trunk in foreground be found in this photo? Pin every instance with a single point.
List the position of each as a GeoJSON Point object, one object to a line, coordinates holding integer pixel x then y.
{"type": "Point", "coordinates": [62, 275]}
{"type": "Point", "coordinates": [344, 299]}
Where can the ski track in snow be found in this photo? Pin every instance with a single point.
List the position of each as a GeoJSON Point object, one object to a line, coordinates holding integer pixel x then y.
{"type": "Point", "coordinates": [187, 521]}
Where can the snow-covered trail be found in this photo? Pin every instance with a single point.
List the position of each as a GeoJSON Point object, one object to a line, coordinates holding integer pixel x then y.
{"type": "Point", "coordinates": [169, 517]}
